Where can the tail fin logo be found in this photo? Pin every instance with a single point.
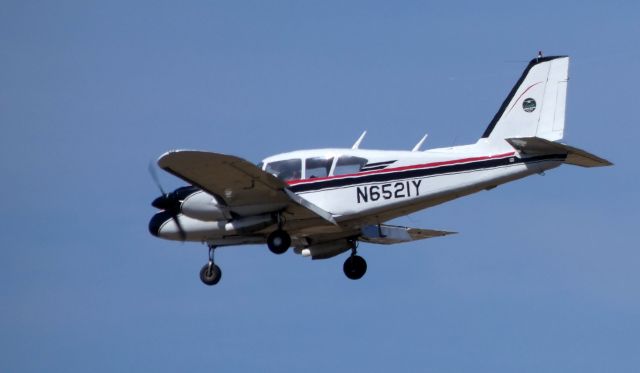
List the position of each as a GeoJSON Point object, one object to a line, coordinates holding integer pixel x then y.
{"type": "Point", "coordinates": [529, 105]}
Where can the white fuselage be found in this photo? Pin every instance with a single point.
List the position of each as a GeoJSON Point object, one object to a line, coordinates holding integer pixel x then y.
{"type": "Point", "coordinates": [410, 181]}
{"type": "Point", "coordinates": [359, 187]}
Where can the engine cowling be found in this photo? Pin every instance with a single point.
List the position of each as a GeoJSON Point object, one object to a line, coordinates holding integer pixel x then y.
{"type": "Point", "coordinates": [203, 206]}
{"type": "Point", "coordinates": [164, 224]}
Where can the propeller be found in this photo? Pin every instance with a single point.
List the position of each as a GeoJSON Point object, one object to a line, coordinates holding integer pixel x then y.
{"type": "Point", "coordinates": [170, 202]}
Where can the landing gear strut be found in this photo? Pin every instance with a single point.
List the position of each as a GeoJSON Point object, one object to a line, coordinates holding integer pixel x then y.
{"type": "Point", "coordinates": [355, 266]}
{"type": "Point", "coordinates": [210, 274]}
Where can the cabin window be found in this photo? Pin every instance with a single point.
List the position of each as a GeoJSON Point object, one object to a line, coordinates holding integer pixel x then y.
{"type": "Point", "coordinates": [349, 165]}
{"type": "Point", "coordinates": [317, 167]}
{"type": "Point", "coordinates": [285, 170]}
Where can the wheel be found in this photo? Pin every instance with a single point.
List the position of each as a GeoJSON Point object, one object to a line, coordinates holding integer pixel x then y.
{"type": "Point", "coordinates": [355, 267]}
{"type": "Point", "coordinates": [279, 242]}
{"type": "Point", "coordinates": [210, 274]}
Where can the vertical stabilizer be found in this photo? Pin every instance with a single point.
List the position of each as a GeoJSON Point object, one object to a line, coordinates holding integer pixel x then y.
{"type": "Point", "coordinates": [535, 106]}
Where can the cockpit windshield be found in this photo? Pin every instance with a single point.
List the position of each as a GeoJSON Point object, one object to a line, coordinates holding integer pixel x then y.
{"type": "Point", "coordinates": [290, 169]}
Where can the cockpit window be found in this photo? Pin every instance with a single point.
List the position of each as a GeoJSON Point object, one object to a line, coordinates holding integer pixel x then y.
{"type": "Point", "coordinates": [285, 170]}
{"type": "Point", "coordinates": [317, 167]}
{"type": "Point", "coordinates": [349, 165]}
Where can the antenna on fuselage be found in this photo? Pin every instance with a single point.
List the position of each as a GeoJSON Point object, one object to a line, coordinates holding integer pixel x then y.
{"type": "Point", "coordinates": [356, 145]}
{"type": "Point", "coordinates": [419, 144]}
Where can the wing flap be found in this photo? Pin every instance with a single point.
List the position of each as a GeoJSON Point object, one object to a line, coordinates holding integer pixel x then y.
{"type": "Point", "coordinates": [310, 206]}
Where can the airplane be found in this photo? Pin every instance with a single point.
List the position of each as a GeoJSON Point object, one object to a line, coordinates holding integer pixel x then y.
{"type": "Point", "coordinates": [324, 202]}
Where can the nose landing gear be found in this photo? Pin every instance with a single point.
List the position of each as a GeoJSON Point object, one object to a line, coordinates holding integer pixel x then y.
{"type": "Point", "coordinates": [210, 274]}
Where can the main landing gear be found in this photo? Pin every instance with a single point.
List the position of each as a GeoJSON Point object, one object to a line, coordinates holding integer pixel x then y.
{"type": "Point", "coordinates": [279, 242]}
{"type": "Point", "coordinates": [355, 266]}
{"type": "Point", "coordinates": [210, 274]}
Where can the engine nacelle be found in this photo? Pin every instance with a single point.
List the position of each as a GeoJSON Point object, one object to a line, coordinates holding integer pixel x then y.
{"type": "Point", "coordinates": [163, 224]}
{"type": "Point", "coordinates": [203, 206]}
{"type": "Point", "coordinates": [325, 250]}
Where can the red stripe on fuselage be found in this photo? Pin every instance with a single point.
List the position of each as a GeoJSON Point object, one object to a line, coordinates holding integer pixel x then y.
{"type": "Point", "coordinates": [403, 168]}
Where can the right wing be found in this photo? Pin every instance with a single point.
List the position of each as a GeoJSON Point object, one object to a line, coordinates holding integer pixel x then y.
{"type": "Point", "coordinates": [233, 179]}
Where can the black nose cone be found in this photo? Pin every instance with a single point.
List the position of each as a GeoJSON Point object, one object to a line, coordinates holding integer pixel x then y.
{"type": "Point", "coordinates": [157, 221]}
{"type": "Point", "coordinates": [163, 202]}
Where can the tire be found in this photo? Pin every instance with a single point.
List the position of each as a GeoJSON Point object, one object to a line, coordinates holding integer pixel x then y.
{"type": "Point", "coordinates": [279, 242]}
{"type": "Point", "coordinates": [210, 274]}
{"type": "Point", "coordinates": [355, 267]}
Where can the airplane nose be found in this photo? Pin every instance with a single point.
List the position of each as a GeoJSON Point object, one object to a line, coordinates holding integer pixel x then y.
{"type": "Point", "coordinates": [157, 221]}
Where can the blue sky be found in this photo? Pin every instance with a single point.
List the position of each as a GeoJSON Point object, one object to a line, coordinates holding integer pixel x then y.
{"type": "Point", "coordinates": [542, 277]}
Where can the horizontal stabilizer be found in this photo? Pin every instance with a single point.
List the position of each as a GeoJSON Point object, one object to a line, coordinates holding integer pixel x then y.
{"type": "Point", "coordinates": [575, 156]}
{"type": "Point", "coordinates": [390, 234]}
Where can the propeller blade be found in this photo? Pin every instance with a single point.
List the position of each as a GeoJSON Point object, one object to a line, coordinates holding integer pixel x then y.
{"type": "Point", "coordinates": [156, 179]}
{"type": "Point", "coordinates": [169, 202]}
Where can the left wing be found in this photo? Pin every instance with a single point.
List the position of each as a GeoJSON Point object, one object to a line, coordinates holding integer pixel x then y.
{"type": "Point", "coordinates": [240, 184]}
{"type": "Point", "coordinates": [324, 246]}
{"type": "Point", "coordinates": [391, 234]}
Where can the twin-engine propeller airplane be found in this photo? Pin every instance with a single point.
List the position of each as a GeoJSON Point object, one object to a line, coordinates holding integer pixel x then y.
{"type": "Point", "coordinates": [324, 202]}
